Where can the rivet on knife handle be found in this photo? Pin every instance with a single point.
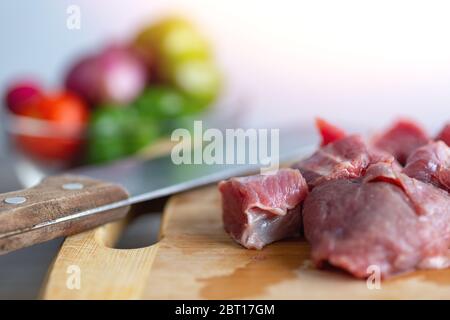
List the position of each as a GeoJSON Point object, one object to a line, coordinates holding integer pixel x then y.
{"type": "Point", "coordinates": [58, 206]}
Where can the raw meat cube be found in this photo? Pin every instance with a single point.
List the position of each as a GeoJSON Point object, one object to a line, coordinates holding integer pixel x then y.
{"type": "Point", "coordinates": [401, 139]}
{"type": "Point", "coordinates": [430, 163]}
{"type": "Point", "coordinates": [346, 158]}
{"type": "Point", "coordinates": [261, 209]}
{"type": "Point", "coordinates": [444, 135]}
{"type": "Point", "coordinates": [385, 219]}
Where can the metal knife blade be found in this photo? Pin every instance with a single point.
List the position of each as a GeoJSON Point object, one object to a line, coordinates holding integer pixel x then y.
{"type": "Point", "coordinates": [159, 177]}
{"type": "Point", "coordinates": [145, 180]}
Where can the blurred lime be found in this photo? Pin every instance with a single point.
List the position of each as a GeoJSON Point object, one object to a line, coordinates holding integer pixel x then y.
{"type": "Point", "coordinates": [139, 132]}
{"type": "Point", "coordinates": [106, 134]}
{"type": "Point", "coordinates": [198, 79]}
{"type": "Point", "coordinates": [185, 122]}
{"type": "Point", "coordinates": [115, 132]}
{"type": "Point", "coordinates": [102, 150]}
{"type": "Point", "coordinates": [182, 58]}
{"type": "Point", "coordinates": [164, 102]}
{"type": "Point", "coordinates": [106, 119]}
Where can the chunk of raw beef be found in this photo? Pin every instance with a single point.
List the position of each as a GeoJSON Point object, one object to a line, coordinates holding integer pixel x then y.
{"type": "Point", "coordinates": [426, 198]}
{"type": "Point", "coordinates": [261, 209]}
{"type": "Point", "coordinates": [401, 139]}
{"type": "Point", "coordinates": [346, 158]}
{"type": "Point", "coordinates": [444, 135]}
{"type": "Point", "coordinates": [386, 219]}
{"type": "Point", "coordinates": [430, 163]}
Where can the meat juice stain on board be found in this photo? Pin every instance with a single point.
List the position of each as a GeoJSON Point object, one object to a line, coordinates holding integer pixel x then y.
{"type": "Point", "coordinates": [264, 269]}
{"type": "Point", "coordinates": [439, 277]}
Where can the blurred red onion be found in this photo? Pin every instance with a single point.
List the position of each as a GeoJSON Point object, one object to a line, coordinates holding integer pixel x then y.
{"type": "Point", "coordinates": [116, 75]}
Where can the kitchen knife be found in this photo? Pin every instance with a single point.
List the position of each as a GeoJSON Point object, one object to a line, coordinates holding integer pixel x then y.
{"type": "Point", "coordinates": [88, 197]}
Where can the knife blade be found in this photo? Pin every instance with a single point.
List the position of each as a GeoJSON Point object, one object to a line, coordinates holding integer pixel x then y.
{"type": "Point", "coordinates": [86, 197]}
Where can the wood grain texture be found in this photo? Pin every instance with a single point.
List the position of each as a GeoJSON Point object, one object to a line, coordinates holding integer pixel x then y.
{"type": "Point", "coordinates": [49, 201]}
{"type": "Point", "coordinates": [196, 259]}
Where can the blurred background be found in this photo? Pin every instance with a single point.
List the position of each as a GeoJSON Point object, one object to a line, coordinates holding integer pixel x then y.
{"type": "Point", "coordinates": [236, 63]}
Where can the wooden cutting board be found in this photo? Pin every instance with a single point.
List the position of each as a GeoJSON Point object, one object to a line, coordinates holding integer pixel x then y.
{"type": "Point", "coordinates": [195, 259]}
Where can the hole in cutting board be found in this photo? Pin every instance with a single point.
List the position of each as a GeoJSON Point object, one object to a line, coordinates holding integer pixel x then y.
{"type": "Point", "coordinates": [142, 229]}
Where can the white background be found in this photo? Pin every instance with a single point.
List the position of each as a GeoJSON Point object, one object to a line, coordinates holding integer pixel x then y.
{"type": "Point", "coordinates": [360, 62]}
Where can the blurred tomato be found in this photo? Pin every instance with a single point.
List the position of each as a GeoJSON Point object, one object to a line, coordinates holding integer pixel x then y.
{"type": "Point", "coordinates": [21, 94]}
{"type": "Point", "coordinates": [59, 133]}
{"type": "Point", "coordinates": [64, 109]}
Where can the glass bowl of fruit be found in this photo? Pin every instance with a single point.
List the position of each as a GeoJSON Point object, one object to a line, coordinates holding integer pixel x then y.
{"type": "Point", "coordinates": [46, 133]}
{"type": "Point", "coordinates": [113, 103]}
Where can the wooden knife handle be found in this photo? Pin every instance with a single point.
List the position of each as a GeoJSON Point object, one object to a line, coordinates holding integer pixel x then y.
{"type": "Point", "coordinates": [34, 215]}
